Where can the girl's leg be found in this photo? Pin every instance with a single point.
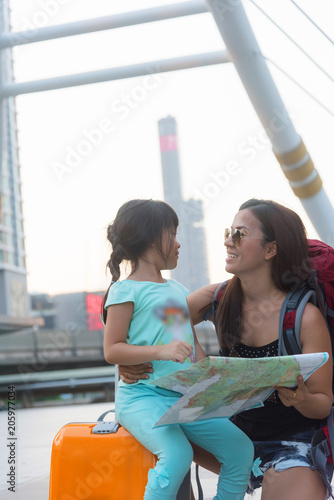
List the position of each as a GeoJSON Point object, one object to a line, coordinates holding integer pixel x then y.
{"type": "Point", "coordinates": [297, 483]}
{"type": "Point", "coordinates": [233, 449]}
{"type": "Point", "coordinates": [169, 443]}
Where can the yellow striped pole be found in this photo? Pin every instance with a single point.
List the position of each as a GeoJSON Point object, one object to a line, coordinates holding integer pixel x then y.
{"type": "Point", "coordinates": [298, 168]}
{"type": "Point", "coordinates": [245, 53]}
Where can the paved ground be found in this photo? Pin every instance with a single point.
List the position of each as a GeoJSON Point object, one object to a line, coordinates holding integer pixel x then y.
{"type": "Point", "coordinates": [35, 430]}
{"type": "Point", "coordinates": [38, 489]}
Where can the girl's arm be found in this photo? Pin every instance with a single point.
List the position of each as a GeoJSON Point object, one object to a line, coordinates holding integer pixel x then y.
{"type": "Point", "coordinates": [118, 351]}
{"type": "Point", "coordinates": [200, 300]}
{"type": "Point", "coordinates": [313, 398]}
{"type": "Point", "coordinates": [131, 374]}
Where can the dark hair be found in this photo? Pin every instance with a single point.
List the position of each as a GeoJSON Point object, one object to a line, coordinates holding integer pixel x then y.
{"type": "Point", "coordinates": [290, 267]}
{"type": "Point", "coordinates": [137, 225]}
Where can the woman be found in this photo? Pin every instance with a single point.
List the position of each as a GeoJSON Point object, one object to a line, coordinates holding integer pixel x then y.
{"type": "Point", "coordinates": [267, 252]}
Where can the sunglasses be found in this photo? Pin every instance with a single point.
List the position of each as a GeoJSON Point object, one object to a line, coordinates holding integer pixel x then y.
{"type": "Point", "coordinates": [235, 234]}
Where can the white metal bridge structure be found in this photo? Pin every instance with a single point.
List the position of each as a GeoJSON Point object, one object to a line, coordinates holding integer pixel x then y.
{"type": "Point", "coordinates": [241, 49]}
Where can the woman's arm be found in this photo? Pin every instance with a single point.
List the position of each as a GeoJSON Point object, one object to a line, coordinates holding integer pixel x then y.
{"type": "Point", "coordinates": [199, 352]}
{"type": "Point", "coordinates": [313, 398]}
{"type": "Point", "coordinates": [118, 351]}
{"type": "Point", "coordinates": [200, 300]}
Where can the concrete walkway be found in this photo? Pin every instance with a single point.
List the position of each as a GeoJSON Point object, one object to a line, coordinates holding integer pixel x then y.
{"type": "Point", "coordinates": [35, 430]}
{"type": "Point", "coordinates": [38, 489]}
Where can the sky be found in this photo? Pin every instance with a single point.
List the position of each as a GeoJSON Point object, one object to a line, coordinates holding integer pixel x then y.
{"type": "Point", "coordinates": [72, 191]}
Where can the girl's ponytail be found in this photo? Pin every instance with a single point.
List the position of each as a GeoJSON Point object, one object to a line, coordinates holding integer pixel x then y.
{"type": "Point", "coordinates": [117, 255]}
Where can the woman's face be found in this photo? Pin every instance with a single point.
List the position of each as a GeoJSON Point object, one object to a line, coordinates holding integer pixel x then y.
{"type": "Point", "coordinates": [250, 255]}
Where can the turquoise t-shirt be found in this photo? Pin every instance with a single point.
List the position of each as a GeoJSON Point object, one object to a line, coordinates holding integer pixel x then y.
{"type": "Point", "coordinates": [160, 316]}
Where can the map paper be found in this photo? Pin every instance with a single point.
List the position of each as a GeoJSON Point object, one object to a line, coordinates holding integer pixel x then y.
{"type": "Point", "coordinates": [222, 387]}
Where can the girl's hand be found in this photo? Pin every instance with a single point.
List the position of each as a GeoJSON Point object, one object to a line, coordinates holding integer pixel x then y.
{"type": "Point", "coordinates": [290, 397]}
{"type": "Point", "coordinates": [132, 373]}
{"type": "Point", "coordinates": [176, 350]}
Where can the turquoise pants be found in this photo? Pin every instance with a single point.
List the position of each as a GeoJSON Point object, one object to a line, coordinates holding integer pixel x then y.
{"type": "Point", "coordinates": [139, 407]}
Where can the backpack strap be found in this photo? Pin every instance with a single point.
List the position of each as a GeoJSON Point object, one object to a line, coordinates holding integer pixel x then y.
{"type": "Point", "coordinates": [282, 351]}
{"type": "Point", "coordinates": [330, 427]}
{"type": "Point", "coordinates": [320, 453]}
{"type": "Point", "coordinates": [212, 310]}
{"type": "Point", "coordinates": [198, 482]}
{"type": "Point", "coordinates": [289, 339]}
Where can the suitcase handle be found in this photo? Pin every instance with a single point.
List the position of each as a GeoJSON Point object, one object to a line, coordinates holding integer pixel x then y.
{"type": "Point", "coordinates": [101, 417]}
{"type": "Point", "coordinates": [108, 427]}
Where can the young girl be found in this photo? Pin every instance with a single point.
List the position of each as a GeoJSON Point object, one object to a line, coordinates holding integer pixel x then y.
{"type": "Point", "coordinates": [146, 320]}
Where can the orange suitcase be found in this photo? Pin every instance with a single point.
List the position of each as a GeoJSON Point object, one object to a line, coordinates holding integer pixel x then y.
{"type": "Point", "coordinates": [100, 461]}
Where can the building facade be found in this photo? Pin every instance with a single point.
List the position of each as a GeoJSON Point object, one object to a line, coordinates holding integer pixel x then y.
{"type": "Point", "coordinates": [14, 303]}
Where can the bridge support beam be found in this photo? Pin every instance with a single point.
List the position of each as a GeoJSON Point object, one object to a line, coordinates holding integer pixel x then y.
{"type": "Point", "coordinates": [288, 147]}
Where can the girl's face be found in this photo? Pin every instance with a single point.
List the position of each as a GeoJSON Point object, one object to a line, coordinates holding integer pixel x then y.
{"type": "Point", "coordinates": [247, 254]}
{"type": "Point", "coordinates": [170, 248]}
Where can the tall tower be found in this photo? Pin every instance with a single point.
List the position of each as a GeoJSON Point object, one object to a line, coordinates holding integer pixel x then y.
{"type": "Point", "coordinates": [13, 288]}
{"type": "Point", "coordinates": [192, 269]}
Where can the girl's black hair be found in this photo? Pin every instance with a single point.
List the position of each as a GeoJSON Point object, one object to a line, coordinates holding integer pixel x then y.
{"type": "Point", "coordinates": [138, 224]}
{"type": "Point", "coordinates": [290, 267]}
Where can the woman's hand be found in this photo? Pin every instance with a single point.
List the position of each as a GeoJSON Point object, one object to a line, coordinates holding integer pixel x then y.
{"type": "Point", "coordinates": [176, 350]}
{"type": "Point", "coordinates": [132, 373]}
{"type": "Point", "coordinates": [292, 397]}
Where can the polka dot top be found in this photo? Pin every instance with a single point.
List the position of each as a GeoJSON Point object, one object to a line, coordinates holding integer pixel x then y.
{"type": "Point", "coordinates": [245, 351]}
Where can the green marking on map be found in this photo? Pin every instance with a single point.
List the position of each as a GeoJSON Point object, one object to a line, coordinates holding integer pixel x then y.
{"type": "Point", "coordinates": [218, 386]}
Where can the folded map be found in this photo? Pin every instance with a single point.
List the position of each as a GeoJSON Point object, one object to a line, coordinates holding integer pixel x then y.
{"type": "Point", "coordinates": [222, 387]}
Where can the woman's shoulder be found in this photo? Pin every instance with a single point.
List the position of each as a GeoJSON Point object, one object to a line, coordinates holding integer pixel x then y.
{"type": "Point", "coordinates": [313, 325]}
{"type": "Point", "coordinates": [312, 314]}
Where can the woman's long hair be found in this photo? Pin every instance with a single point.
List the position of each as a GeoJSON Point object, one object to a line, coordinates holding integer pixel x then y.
{"type": "Point", "coordinates": [137, 225]}
{"type": "Point", "coordinates": [290, 267]}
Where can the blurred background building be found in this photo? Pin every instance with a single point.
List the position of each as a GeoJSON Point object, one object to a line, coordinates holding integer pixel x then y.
{"type": "Point", "coordinates": [192, 269]}
{"type": "Point", "coordinates": [52, 346]}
